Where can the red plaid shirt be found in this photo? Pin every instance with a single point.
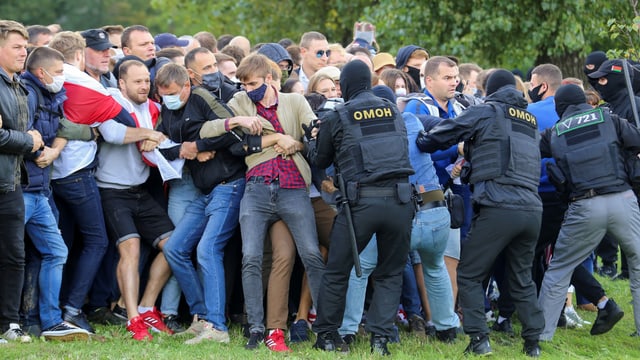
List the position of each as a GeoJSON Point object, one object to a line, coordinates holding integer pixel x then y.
{"type": "Point", "coordinates": [279, 168]}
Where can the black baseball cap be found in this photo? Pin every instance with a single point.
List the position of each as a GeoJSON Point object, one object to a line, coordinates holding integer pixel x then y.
{"type": "Point", "coordinates": [97, 39]}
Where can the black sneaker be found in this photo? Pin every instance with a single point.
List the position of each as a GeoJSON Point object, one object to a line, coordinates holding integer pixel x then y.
{"type": "Point", "coordinates": [448, 335]}
{"type": "Point", "coordinates": [531, 348]}
{"type": "Point", "coordinates": [379, 345]}
{"type": "Point", "coordinates": [349, 339]}
{"type": "Point", "coordinates": [256, 338]}
{"type": "Point", "coordinates": [104, 316]}
{"type": "Point", "coordinates": [174, 324]}
{"type": "Point", "coordinates": [479, 345]}
{"type": "Point", "coordinates": [417, 325]}
{"type": "Point", "coordinates": [120, 312]}
{"type": "Point", "coordinates": [79, 320]}
{"type": "Point", "coordinates": [65, 332]}
{"type": "Point", "coordinates": [608, 270]}
{"type": "Point", "coordinates": [504, 327]}
{"type": "Point", "coordinates": [607, 318]}
{"type": "Point", "coordinates": [430, 331]}
{"type": "Point", "coordinates": [331, 341]}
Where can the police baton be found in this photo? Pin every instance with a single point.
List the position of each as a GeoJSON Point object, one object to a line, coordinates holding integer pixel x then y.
{"type": "Point", "coordinates": [352, 232]}
{"type": "Point", "coordinates": [632, 97]}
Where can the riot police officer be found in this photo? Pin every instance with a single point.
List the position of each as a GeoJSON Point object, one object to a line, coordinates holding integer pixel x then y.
{"type": "Point", "coordinates": [501, 144]}
{"type": "Point", "coordinates": [589, 148]}
{"type": "Point", "coordinates": [366, 140]}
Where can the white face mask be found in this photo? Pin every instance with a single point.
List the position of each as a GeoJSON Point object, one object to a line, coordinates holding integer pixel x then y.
{"type": "Point", "coordinates": [118, 54]}
{"type": "Point", "coordinates": [422, 85]}
{"type": "Point", "coordinates": [401, 91]}
{"type": "Point", "coordinates": [56, 85]}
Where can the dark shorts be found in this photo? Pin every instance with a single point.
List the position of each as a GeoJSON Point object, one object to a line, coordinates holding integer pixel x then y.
{"type": "Point", "coordinates": [133, 213]}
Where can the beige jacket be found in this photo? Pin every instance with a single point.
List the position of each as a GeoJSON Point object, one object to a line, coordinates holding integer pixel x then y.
{"type": "Point", "coordinates": [293, 111]}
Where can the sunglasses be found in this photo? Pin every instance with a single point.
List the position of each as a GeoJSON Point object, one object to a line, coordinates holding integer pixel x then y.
{"type": "Point", "coordinates": [321, 53]}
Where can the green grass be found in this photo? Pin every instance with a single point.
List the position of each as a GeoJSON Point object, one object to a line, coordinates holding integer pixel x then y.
{"type": "Point", "coordinates": [567, 344]}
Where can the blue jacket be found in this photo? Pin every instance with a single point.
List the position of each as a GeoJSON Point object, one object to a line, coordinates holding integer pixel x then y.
{"type": "Point", "coordinates": [420, 161]}
{"type": "Point", "coordinates": [545, 112]}
{"type": "Point", "coordinates": [45, 118]}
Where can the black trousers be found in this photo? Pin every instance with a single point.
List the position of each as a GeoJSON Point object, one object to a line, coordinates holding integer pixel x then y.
{"type": "Point", "coordinates": [390, 221]}
{"type": "Point", "coordinates": [11, 256]}
{"type": "Point", "coordinates": [493, 231]}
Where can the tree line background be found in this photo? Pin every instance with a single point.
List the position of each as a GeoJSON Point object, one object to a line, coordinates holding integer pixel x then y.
{"type": "Point", "coordinates": [499, 33]}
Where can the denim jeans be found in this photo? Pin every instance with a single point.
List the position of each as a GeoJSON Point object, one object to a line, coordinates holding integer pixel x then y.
{"type": "Point", "coordinates": [410, 300]}
{"type": "Point", "coordinates": [262, 205]}
{"type": "Point", "coordinates": [181, 193]}
{"type": "Point", "coordinates": [11, 256]}
{"type": "Point", "coordinates": [208, 223]}
{"type": "Point", "coordinates": [79, 204]}
{"type": "Point", "coordinates": [42, 227]}
{"type": "Point", "coordinates": [356, 292]}
{"type": "Point", "coordinates": [429, 236]}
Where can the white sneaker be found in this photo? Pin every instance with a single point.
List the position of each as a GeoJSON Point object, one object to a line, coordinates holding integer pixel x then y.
{"type": "Point", "coordinates": [3, 341]}
{"type": "Point", "coordinates": [15, 334]}
{"type": "Point", "coordinates": [570, 312]}
{"type": "Point", "coordinates": [209, 333]}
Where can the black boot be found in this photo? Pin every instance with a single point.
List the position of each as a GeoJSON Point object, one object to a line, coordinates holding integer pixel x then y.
{"type": "Point", "coordinates": [607, 318]}
{"type": "Point", "coordinates": [479, 345]}
{"type": "Point", "coordinates": [379, 345]}
{"type": "Point", "coordinates": [531, 348]}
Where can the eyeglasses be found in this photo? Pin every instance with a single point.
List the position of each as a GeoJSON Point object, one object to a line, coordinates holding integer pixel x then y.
{"type": "Point", "coordinates": [321, 53]}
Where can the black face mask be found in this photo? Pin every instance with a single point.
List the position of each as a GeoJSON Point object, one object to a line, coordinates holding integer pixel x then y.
{"type": "Point", "coordinates": [213, 82]}
{"type": "Point", "coordinates": [533, 94]}
{"type": "Point", "coordinates": [414, 73]}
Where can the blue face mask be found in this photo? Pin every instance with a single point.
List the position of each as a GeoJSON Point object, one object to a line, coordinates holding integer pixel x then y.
{"type": "Point", "coordinates": [257, 94]}
{"type": "Point", "coordinates": [172, 102]}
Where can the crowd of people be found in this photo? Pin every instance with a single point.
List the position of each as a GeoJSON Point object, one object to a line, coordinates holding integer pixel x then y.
{"type": "Point", "coordinates": [176, 184]}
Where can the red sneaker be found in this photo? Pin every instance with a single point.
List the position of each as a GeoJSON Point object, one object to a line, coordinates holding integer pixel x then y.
{"type": "Point", "coordinates": [138, 329]}
{"type": "Point", "coordinates": [153, 319]}
{"type": "Point", "coordinates": [275, 341]}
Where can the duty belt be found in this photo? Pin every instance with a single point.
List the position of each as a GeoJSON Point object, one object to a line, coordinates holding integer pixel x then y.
{"type": "Point", "coordinates": [373, 191]}
{"type": "Point", "coordinates": [589, 194]}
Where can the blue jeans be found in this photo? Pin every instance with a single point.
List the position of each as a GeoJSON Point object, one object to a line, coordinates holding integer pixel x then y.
{"type": "Point", "coordinates": [410, 299]}
{"type": "Point", "coordinates": [261, 206]}
{"type": "Point", "coordinates": [357, 289]}
{"type": "Point", "coordinates": [42, 227]}
{"type": "Point", "coordinates": [181, 193]}
{"type": "Point", "coordinates": [208, 223]}
{"type": "Point", "coordinates": [78, 201]}
{"type": "Point", "coordinates": [429, 236]}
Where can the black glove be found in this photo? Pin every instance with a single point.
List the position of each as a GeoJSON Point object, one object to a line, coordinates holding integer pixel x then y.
{"type": "Point", "coordinates": [308, 129]}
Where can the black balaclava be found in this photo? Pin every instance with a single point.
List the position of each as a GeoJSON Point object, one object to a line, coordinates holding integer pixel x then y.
{"type": "Point", "coordinates": [568, 95]}
{"type": "Point", "coordinates": [355, 78]}
{"type": "Point", "coordinates": [615, 84]}
{"type": "Point", "coordinates": [498, 79]}
{"type": "Point", "coordinates": [595, 58]}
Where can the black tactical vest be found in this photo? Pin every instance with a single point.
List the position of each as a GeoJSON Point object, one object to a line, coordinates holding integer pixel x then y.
{"type": "Point", "coordinates": [374, 143]}
{"type": "Point", "coordinates": [508, 151]}
{"type": "Point", "coordinates": [587, 150]}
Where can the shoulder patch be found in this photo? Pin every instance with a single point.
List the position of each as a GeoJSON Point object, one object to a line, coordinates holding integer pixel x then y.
{"type": "Point", "coordinates": [373, 113]}
{"type": "Point", "coordinates": [578, 121]}
{"type": "Point", "coordinates": [521, 115]}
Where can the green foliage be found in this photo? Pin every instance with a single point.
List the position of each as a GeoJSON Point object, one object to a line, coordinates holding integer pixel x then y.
{"type": "Point", "coordinates": [76, 15]}
{"type": "Point", "coordinates": [509, 34]}
{"type": "Point", "coordinates": [625, 35]}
